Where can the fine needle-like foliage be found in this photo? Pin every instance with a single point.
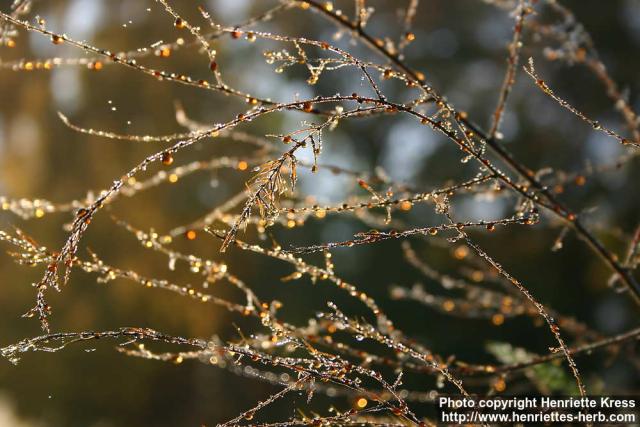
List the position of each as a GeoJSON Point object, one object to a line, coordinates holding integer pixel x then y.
{"type": "Point", "coordinates": [358, 359]}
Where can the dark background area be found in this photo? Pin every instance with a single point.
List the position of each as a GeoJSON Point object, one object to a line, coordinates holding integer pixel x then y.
{"type": "Point", "coordinates": [460, 46]}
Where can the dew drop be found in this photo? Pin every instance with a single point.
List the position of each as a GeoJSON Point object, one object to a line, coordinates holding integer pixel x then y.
{"type": "Point", "coordinates": [167, 159]}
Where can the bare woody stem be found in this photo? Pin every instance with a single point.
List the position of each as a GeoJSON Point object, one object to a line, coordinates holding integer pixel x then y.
{"type": "Point", "coordinates": [604, 343]}
{"type": "Point", "coordinates": [559, 209]}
